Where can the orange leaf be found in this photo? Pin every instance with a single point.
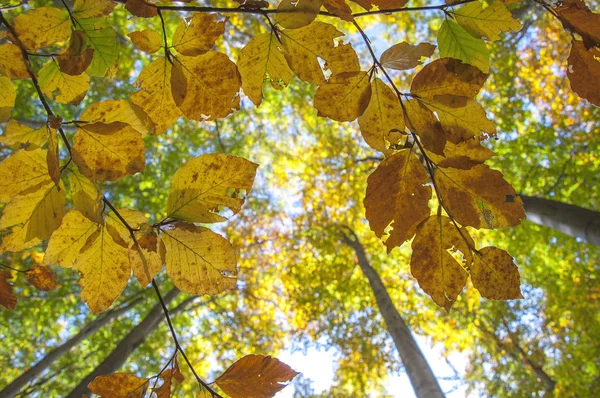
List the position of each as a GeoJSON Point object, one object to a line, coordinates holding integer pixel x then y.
{"type": "Point", "coordinates": [7, 297]}
{"type": "Point", "coordinates": [495, 274]}
{"type": "Point", "coordinates": [41, 277]}
{"type": "Point", "coordinates": [119, 385]}
{"type": "Point", "coordinates": [584, 72]}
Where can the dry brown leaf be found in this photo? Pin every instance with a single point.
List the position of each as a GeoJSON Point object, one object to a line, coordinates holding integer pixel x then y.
{"type": "Point", "coordinates": [584, 71]}
{"type": "Point", "coordinates": [7, 297]}
{"type": "Point", "coordinates": [403, 56]}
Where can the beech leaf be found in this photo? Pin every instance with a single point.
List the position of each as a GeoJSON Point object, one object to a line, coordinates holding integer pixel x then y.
{"type": "Point", "coordinates": [119, 385]}
{"type": "Point", "coordinates": [403, 56]}
{"type": "Point", "coordinates": [495, 274]}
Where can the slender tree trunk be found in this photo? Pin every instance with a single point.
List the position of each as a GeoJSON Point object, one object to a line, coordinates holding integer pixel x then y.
{"type": "Point", "coordinates": [420, 374]}
{"type": "Point", "coordinates": [134, 338]}
{"type": "Point", "coordinates": [566, 218]}
{"type": "Point", "coordinates": [16, 385]}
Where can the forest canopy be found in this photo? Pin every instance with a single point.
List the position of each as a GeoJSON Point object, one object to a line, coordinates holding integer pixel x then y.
{"type": "Point", "coordinates": [189, 189]}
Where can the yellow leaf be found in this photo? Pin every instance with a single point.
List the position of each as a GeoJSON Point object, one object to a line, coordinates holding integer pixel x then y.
{"type": "Point", "coordinates": [255, 376]}
{"type": "Point", "coordinates": [66, 242]}
{"type": "Point", "coordinates": [52, 156]}
{"type": "Point", "coordinates": [199, 261]}
{"type": "Point", "coordinates": [21, 171]}
{"type": "Point", "coordinates": [208, 183]}
{"type": "Point", "coordinates": [33, 216]}
{"type": "Point", "coordinates": [8, 95]}
{"type": "Point", "coordinates": [479, 197]}
{"type": "Point", "coordinates": [344, 97]}
{"type": "Point", "coordinates": [119, 385]}
{"type": "Point", "coordinates": [584, 71]}
{"type": "Point", "coordinates": [199, 35]}
{"type": "Point", "coordinates": [154, 95]}
{"type": "Point", "coordinates": [403, 56]}
{"type": "Point", "coordinates": [17, 135]}
{"type": "Point", "coordinates": [462, 118]}
{"type": "Point", "coordinates": [294, 14]}
{"type": "Point", "coordinates": [448, 76]}
{"type": "Point", "coordinates": [486, 20]}
{"type": "Point", "coordinates": [495, 274]}
{"type": "Point", "coordinates": [92, 8]}
{"type": "Point", "coordinates": [42, 27]}
{"type": "Point", "coordinates": [41, 277]}
{"type": "Point", "coordinates": [12, 63]}
{"type": "Point", "coordinates": [464, 155]}
{"type": "Point", "coordinates": [108, 152]}
{"type": "Point", "coordinates": [305, 46]}
{"type": "Point", "coordinates": [382, 124]}
{"type": "Point", "coordinates": [124, 111]}
{"type": "Point", "coordinates": [422, 122]}
{"type": "Point", "coordinates": [438, 272]}
{"type": "Point", "coordinates": [86, 196]}
{"type": "Point", "coordinates": [77, 57]}
{"type": "Point", "coordinates": [146, 40]}
{"type": "Point", "coordinates": [261, 59]}
{"type": "Point", "coordinates": [61, 87]}
{"type": "Point", "coordinates": [207, 87]}
{"type": "Point", "coordinates": [455, 42]}
{"type": "Point", "coordinates": [7, 297]}
{"type": "Point", "coordinates": [397, 198]}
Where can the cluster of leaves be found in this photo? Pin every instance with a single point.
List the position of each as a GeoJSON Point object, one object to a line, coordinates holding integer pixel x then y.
{"type": "Point", "coordinates": [431, 138]}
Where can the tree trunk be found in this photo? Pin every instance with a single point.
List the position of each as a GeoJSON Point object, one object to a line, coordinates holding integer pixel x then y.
{"type": "Point", "coordinates": [566, 218]}
{"type": "Point", "coordinates": [16, 385]}
{"type": "Point", "coordinates": [134, 338]}
{"type": "Point", "coordinates": [421, 377]}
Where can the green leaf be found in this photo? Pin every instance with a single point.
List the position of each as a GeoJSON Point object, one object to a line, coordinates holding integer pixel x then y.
{"type": "Point", "coordinates": [103, 39]}
{"type": "Point", "coordinates": [455, 42]}
{"type": "Point", "coordinates": [488, 21]}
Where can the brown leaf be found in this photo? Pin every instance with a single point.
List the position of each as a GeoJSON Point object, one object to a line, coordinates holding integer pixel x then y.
{"type": "Point", "coordinates": [119, 385]}
{"type": "Point", "coordinates": [344, 97]}
{"type": "Point", "coordinates": [584, 71]}
{"type": "Point", "coordinates": [439, 273]}
{"type": "Point", "coordinates": [577, 17]}
{"type": "Point", "coordinates": [479, 197]}
{"type": "Point", "coordinates": [339, 8]}
{"type": "Point", "coordinates": [139, 8]}
{"type": "Point", "coordinates": [7, 297]}
{"type": "Point", "coordinates": [255, 376]}
{"type": "Point", "coordinates": [448, 76]}
{"type": "Point", "coordinates": [403, 56]}
{"type": "Point", "coordinates": [495, 274]}
{"type": "Point", "coordinates": [41, 277]}
{"type": "Point", "coordinates": [397, 197]}
{"type": "Point", "coordinates": [77, 57]}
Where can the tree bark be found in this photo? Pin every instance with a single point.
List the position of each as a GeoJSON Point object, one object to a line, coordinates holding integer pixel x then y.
{"type": "Point", "coordinates": [420, 374]}
{"type": "Point", "coordinates": [566, 218]}
{"type": "Point", "coordinates": [134, 338]}
{"type": "Point", "coordinates": [16, 385]}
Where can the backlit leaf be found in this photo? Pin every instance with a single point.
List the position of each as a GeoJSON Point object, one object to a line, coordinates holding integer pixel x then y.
{"type": "Point", "coordinates": [448, 76]}
{"type": "Point", "coordinates": [262, 60]}
{"type": "Point", "coordinates": [396, 198]}
{"type": "Point", "coordinates": [440, 274]}
{"type": "Point", "coordinates": [7, 296]}
{"type": "Point", "coordinates": [22, 171]}
{"type": "Point", "coordinates": [382, 123]}
{"type": "Point", "coordinates": [124, 111]}
{"type": "Point", "coordinates": [199, 35]}
{"type": "Point", "coordinates": [102, 38]}
{"type": "Point", "coordinates": [77, 57]}
{"type": "Point", "coordinates": [108, 152]}
{"type": "Point", "coordinates": [464, 155]}
{"type": "Point", "coordinates": [85, 195]}
{"type": "Point", "coordinates": [403, 56]}
{"type": "Point", "coordinates": [7, 99]}
{"type": "Point", "coordinates": [488, 20]}
{"type": "Point", "coordinates": [17, 135]}
{"type": "Point", "coordinates": [141, 8]}
{"type": "Point", "coordinates": [12, 63]}
{"type": "Point", "coordinates": [92, 8]}
{"type": "Point", "coordinates": [339, 8]}
{"type": "Point", "coordinates": [67, 241]}
{"type": "Point", "coordinates": [119, 385]}
{"type": "Point", "coordinates": [421, 121]}
{"type": "Point", "coordinates": [199, 261]}
{"type": "Point", "coordinates": [255, 376]}
{"type": "Point", "coordinates": [146, 40]}
{"type": "Point", "coordinates": [578, 18]}
{"type": "Point", "coordinates": [479, 197]}
{"type": "Point", "coordinates": [455, 42]}
{"type": "Point", "coordinates": [61, 87]}
{"type": "Point", "coordinates": [41, 277]}
{"type": "Point", "coordinates": [344, 97]}
{"type": "Point", "coordinates": [495, 274]}
{"type": "Point", "coordinates": [208, 183]}
{"type": "Point", "coordinates": [42, 27]}
{"type": "Point", "coordinates": [294, 14]}
{"type": "Point", "coordinates": [52, 156]}
{"type": "Point", "coordinates": [584, 72]}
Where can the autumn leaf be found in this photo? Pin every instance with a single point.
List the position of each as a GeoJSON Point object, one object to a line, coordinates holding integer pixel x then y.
{"type": "Point", "coordinates": [397, 197]}
{"type": "Point", "coordinates": [146, 40]}
{"type": "Point", "coordinates": [382, 123]}
{"type": "Point", "coordinates": [255, 376]}
{"type": "Point", "coordinates": [455, 42]}
{"type": "Point", "coordinates": [197, 36]}
{"type": "Point", "coordinates": [77, 57]}
{"type": "Point", "coordinates": [140, 8]}
{"type": "Point", "coordinates": [577, 17]}
{"type": "Point", "coordinates": [7, 100]}
{"type": "Point", "coordinates": [102, 39]}
{"type": "Point", "coordinates": [61, 87]}
{"type": "Point", "coordinates": [495, 274]}
{"type": "Point", "coordinates": [22, 171]}
{"type": "Point", "coordinates": [584, 71]}
{"type": "Point", "coordinates": [463, 155]}
{"type": "Point", "coordinates": [7, 297]}
{"type": "Point", "coordinates": [68, 240]}
{"type": "Point", "coordinates": [479, 197]}
{"type": "Point", "coordinates": [305, 46]}
{"type": "Point", "coordinates": [17, 135]}
{"type": "Point", "coordinates": [42, 27]}
{"type": "Point", "coordinates": [92, 8]}
{"type": "Point", "coordinates": [119, 385]}
{"type": "Point", "coordinates": [52, 156]}
{"type": "Point", "coordinates": [344, 97]}
{"type": "Point", "coordinates": [199, 261]}
{"type": "Point", "coordinates": [296, 14]}
{"type": "Point", "coordinates": [486, 20]}
{"type": "Point", "coordinates": [434, 260]}
{"type": "Point", "coordinates": [403, 56]}
{"type": "Point", "coordinates": [339, 8]}
{"type": "Point", "coordinates": [448, 76]}
{"type": "Point", "coordinates": [124, 111]}
{"type": "Point", "coordinates": [208, 183]}
{"type": "Point", "coordinates": [167, 376]}
{"type": "Point", "coordinates": [12, 63]}
{"type": "Point", "coordinates": [108, 152]}
{"type": "Point", "coordinates": [422, 122]}
{"type": "Point", "coordinates": [41, 277]}
{"type": "Point", "coordinates": [262, 60]}
{"type": "Point", "coordinates": [85, 195]}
